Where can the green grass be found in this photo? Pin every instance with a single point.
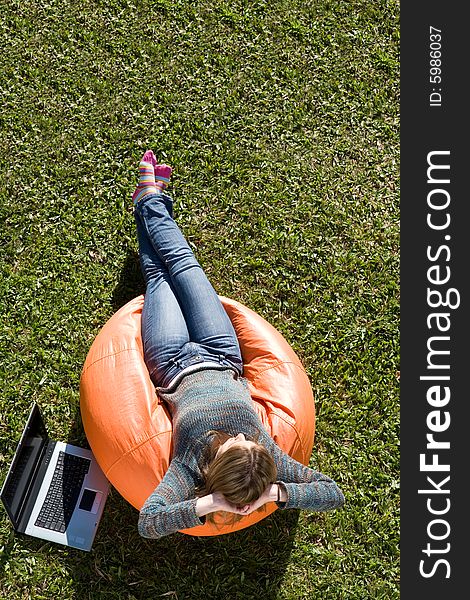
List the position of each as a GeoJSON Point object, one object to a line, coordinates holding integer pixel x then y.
{"type": "Point", "coordinates": [281, 122]}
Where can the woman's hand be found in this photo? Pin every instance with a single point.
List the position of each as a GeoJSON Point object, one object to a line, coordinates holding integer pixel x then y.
{"type": "Point", "coordinates": [215, 502]}
{"type": "Point", "coordinates": [270, 494]}
{"type": "Point", "coordinates": [224, 505]}
{"type": "Point", "coordinates": [262, 500]}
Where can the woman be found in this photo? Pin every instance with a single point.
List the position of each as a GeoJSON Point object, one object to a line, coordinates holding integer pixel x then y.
{"type": "Point", "coordinates": [223, 458]}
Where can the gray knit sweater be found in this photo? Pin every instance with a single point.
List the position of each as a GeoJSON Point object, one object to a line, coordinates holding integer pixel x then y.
{"type": "Point", "coordinates": [217, 400]}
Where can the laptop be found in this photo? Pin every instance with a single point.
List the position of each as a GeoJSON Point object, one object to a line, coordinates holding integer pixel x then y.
{"type": "Point", "coordinates": [53, 490]}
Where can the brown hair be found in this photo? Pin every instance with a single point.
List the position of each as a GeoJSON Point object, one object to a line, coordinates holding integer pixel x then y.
{"type": "Point", "coordinates": [241, 475]}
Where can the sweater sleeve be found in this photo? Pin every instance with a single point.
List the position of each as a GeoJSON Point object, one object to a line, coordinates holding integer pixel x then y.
{"type": "Point", "coordinates": [306, 488]}
{"type": "Point", "coordinates": [172, 506]}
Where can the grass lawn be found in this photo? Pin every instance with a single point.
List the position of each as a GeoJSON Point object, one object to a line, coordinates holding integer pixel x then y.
{"type": "Point", "coordinates": [281, 120]}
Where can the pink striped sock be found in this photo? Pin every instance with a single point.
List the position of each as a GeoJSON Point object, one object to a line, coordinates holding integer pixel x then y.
{"type": "Point", "coordinates": [162, 176]}
{"type": "Point", "coordinates": [146, 184]}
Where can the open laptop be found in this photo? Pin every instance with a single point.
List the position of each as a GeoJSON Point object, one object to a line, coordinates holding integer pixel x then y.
{"type": "Point", "coordinates": [53, 490]}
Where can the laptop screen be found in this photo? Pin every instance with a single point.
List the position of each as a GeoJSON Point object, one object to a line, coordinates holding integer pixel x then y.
{"type": "Point", "coordinates": [24, 465]}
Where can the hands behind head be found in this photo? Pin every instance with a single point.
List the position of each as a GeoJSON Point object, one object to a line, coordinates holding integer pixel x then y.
{"type": "Point", "coordinates": [220, 503]}
{"type": "Point", "coordinates": [224, 505]}
{"type": "Point", "coordinates": [249, 508]}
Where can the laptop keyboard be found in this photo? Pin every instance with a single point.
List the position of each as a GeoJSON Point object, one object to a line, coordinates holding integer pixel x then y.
{"type": "Point", "coordinates": [62, 496]}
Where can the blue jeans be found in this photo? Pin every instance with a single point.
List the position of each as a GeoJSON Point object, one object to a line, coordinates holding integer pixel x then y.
{"type": "Point", "coordinates": [184, 325]}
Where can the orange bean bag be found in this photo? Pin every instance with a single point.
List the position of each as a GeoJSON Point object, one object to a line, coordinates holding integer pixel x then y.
{"type": "Point", "coordinates": [129, 429]}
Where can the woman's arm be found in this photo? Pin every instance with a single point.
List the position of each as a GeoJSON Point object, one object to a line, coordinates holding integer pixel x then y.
{"type": "Point", "coordinates": [173, 506]}
{"type": "Point", "coordinates": [302, 487]}
{"type": "Point", "coordinates": [307, 496]}
{"type": "Point", "coordinates": [311, 490]}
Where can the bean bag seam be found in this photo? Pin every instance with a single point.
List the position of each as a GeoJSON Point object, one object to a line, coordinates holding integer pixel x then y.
{"type": "Point", "coordinates": [299, 439]}
{"type": "Point", "coordinates": [282, 362]}
{"type": "Point", "coordinates": [109, 356]}
{"type": "Point", "coordinates": [134, 448]}
{"type": "Point", "coordinates": [279, 415]}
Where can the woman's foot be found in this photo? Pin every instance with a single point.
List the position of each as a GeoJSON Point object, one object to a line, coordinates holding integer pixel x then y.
{"type": "Point", "coordinates": [146, 183]}
{"type": "Point", "coordinates": [162, 176]}
{"type": "Point", "coordinates": [153, 178]}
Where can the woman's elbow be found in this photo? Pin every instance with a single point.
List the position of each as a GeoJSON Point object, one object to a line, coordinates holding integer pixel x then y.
{"type": "Point", "coordinates": [337, 497]}
{"type": "Point", "coordinates": [146, 527]}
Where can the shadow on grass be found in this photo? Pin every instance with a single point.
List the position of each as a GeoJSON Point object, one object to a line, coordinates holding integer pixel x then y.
{"type": "Point", "coordinates": [131, 282]}
{"type": "Point", "coordinates": [245, 565]}
{"type": "Point", "coordinates": [250, 563]}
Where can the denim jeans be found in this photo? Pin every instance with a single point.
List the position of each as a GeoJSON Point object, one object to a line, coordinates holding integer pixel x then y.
{"type": "Point", "coordinates": [184, 325]}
